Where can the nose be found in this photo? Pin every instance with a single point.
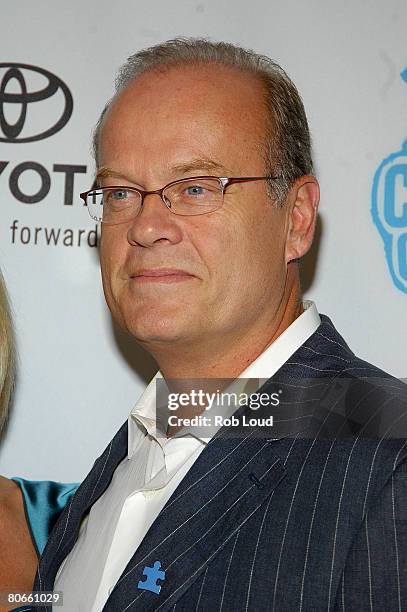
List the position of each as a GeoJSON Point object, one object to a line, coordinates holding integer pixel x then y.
{"type": "Point", "coordinates": [154, 224]}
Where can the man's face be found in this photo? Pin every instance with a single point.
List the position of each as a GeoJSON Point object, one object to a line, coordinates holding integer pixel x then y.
{"type": "Point", "coordinates": [183, 122]}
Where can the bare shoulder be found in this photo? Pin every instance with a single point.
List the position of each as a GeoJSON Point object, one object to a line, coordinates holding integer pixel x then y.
{"type": "Point", "coordinates": [7, 485]}
{"type": "Point", "coordinates": [10, 496]}
{"type": "Point", "coordinates": [18, 559]}
{"type": "Point", "coordinates": [12, 515]}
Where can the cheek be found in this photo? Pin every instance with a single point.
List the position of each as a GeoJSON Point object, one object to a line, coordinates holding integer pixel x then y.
{"type": "Point", "coordinates": [110, 256]}
{"type": "Point", "coordinates": [225, 246]}
{"type": "Point", "coordinates": [253, 251]}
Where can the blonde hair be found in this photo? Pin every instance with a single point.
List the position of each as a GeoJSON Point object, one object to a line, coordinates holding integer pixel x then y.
{"type": "Point", "coordinates": [7, 353]}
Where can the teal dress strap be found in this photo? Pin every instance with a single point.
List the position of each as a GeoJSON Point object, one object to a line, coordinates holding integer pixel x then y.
{"type": "Point", "coordinates": [44, 500]}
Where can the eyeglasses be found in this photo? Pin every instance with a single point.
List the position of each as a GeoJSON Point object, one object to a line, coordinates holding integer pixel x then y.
{"type": "Point", "coordinates": [197, 195]}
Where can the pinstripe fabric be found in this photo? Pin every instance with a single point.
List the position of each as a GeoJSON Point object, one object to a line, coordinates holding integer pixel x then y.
{"type": "Point", "coordinates": [308, 515]}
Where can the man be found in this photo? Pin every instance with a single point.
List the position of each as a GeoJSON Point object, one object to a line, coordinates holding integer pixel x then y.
{"type": "Point", "coordinates": [208, 201]}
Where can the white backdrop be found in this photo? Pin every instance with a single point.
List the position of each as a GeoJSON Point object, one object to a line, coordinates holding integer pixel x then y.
{"type": "Point", "coordinates": [78, 377]}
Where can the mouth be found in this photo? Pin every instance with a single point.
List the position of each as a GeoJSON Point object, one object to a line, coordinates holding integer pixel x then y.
{"type": "Point", "coordinates": [160, 275]}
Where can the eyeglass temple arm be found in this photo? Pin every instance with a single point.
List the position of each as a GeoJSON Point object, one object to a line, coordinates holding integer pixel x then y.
{"type": "Point", "coordinates": [231, 180]}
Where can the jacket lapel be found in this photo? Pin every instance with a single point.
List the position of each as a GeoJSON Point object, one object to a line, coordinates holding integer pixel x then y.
{"type": "Point", "coordinates": [65, 533]}
{"type": "Point", "coordinates": [224, 487]}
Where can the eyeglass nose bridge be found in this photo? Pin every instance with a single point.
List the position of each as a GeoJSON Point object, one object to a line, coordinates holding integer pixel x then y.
{"type": "Point", "coordinates": [159, 192]}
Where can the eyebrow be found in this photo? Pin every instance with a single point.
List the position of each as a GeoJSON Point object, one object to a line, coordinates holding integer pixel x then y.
{"type": "Point", "coordinates": [104, 172]}
{"type": "Point", "coordinates": [197, 164]}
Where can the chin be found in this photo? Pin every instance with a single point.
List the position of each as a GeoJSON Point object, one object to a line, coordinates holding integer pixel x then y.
{"type": "Point", "coordinates": [153, 327]}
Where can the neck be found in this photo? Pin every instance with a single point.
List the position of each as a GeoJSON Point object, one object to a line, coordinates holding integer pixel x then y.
{"type": "Point", "coordinates": [228, 355]}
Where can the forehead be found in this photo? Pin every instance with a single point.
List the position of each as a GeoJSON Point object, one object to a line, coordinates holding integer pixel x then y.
{"type": "Point", "coordinates": [208, 108]}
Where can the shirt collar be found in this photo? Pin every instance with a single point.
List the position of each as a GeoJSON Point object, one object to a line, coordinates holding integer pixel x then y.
{"type": "Point", "coordinates": [279, 351]}
{"type": "Point", "coordinates": [142, 419]}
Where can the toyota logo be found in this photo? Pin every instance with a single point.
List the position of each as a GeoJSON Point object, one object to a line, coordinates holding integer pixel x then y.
{"type": "Point", "coordinates": [31, 95]}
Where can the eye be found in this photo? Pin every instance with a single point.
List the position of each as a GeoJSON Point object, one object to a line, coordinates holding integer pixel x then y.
{"type": "Point", "coordinates": [120, 197]}
{"type": "Point", "coordinates": [198, 190]}
{"type": "Point", "coordinates": [195, 190]}
{"type": "Point", "coordinates": [117, 194]}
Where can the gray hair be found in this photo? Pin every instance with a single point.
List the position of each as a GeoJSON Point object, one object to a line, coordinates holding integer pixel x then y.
{"type": "Point", "coordinates": [287, 150]}
{"type": "Point", "coordinates": [7, 354]}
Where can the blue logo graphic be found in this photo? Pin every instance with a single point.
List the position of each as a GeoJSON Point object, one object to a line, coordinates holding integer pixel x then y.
{"type": "Point", "coordinates": [152, 574]}
{"type": "Point", "coordinates": [389, 210]}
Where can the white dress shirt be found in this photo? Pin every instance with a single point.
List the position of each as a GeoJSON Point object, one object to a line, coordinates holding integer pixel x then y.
{"type": "Point", "coordinates": [144, 481]}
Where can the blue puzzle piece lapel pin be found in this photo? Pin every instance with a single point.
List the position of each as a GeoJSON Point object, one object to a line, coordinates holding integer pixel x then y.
{"type": "Point", "coordinates": [152, 574]}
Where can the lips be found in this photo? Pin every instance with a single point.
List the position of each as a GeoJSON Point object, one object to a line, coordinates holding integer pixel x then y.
{"type": "Point", "coordinates": [160, 272]}
{"type": "Point", "coordinates": [160, 275]}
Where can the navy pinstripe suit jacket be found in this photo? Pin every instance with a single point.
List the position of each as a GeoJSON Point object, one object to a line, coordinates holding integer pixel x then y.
{"type": "Point", "coordinates": [308, 515]}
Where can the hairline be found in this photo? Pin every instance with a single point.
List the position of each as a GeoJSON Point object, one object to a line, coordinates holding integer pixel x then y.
{"type": "Point", "coordinates": [160, 68]}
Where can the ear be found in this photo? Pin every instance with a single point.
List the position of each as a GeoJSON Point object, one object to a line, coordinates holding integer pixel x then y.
{"type": "Point", "coordinates": [302, 205]}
